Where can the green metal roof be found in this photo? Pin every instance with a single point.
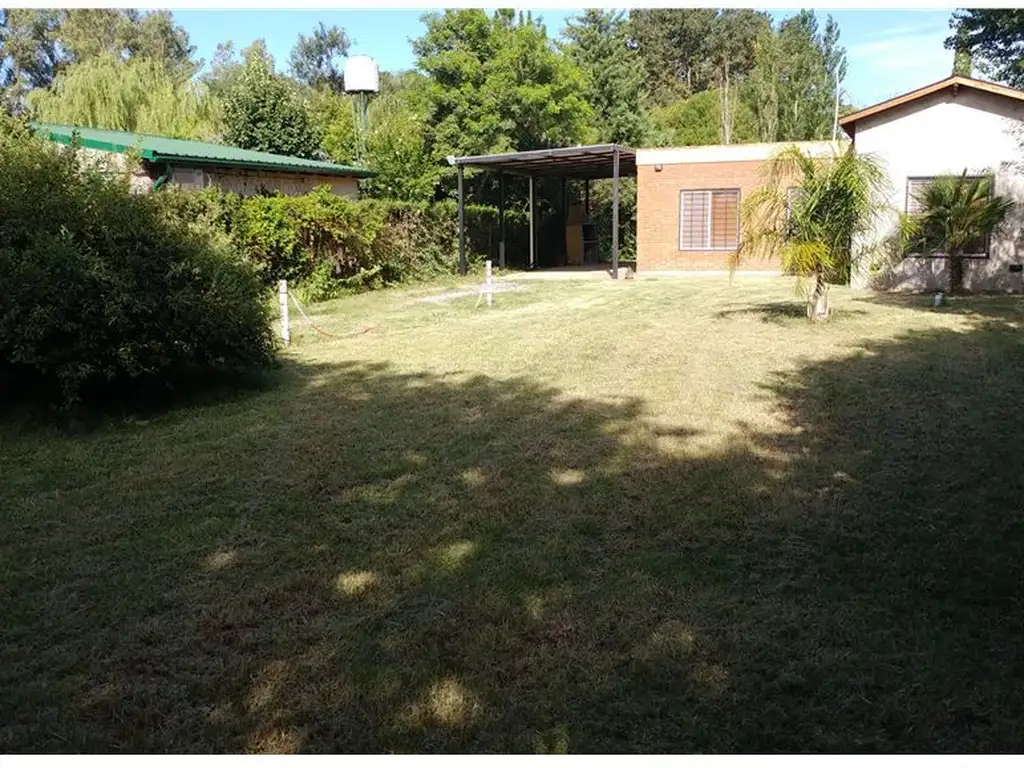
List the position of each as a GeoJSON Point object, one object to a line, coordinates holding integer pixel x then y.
{"type": "Point", "coordinates": [162, 149]}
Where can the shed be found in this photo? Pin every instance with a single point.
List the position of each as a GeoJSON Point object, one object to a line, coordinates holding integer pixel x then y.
{"type": "Point", "coordinates": [198, 164]}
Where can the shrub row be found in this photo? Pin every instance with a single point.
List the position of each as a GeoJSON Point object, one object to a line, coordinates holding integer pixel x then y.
{"type": "Point", "coordinates": [330, 244]}
{"type": "Point", "coordinates": [110, 294]}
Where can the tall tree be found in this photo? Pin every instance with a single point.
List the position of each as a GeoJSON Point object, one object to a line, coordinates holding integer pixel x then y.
{"type": "Point", "coordinates": [599, 44]}
{"type": "Point", "coordinates": [39, 44]}
{"type": "Point", "coordinates": [797, 69]}
{"type": "Point", "coordinates": [497, 84]}
{"type": "Point", "coordinates": [317, 60]}
{"type": "Point", "coordinates": [263, 112]}
{"type": "Point", "coordinates": [698, 120]}
{"type": "Point", "coordinates": [963, 60]}
{"type": "Point", "coordinates": [995, 38]}
{"type": "Point", "coordinates": [31, 56]}
{"type": "Point", "coordinates": [129, 95]}
{"type": "Point", "coordinates": [733, 34]}
{"type": "Point", "coordinates": [227, 66]}
{"type": "Point", "coordinates": [674, 45]}
{"type": "Point", "coordinates": [763, 85]}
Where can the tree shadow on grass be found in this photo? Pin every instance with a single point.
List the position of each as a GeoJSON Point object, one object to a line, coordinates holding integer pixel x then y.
{"type": "Point", "coordinates": [371, 561]}
{"type": "Point", "coordinates": [781, 312]}
{"type": "Point", "coordinates": [1004, 307]}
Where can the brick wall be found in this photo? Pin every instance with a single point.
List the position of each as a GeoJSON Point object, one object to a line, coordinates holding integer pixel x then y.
{"type": "Point", "coordinates": [657, 218]}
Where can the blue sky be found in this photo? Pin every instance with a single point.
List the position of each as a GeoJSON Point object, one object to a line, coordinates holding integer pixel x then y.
{"type": "Point", "coordinates": [890, 52]}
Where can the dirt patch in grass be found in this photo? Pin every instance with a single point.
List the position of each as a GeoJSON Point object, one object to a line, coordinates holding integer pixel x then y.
{"type": "Point", "coordinates": [598, 517]}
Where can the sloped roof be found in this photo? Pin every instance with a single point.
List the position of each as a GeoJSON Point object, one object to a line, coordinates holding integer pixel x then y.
{"type": "Point", "coordinates": [164, 149]}
{"type": "Point", "coordinates": [955, 81]}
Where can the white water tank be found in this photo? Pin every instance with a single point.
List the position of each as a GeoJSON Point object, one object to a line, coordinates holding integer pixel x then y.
{"type": "Point", "coordinates": [361, 75]}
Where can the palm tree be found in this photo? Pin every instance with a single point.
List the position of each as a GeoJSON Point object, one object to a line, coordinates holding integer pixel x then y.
{"type": "Point", "coordinates": [956, 215]}
{"type": "Point", "coordinates": [808, 214]}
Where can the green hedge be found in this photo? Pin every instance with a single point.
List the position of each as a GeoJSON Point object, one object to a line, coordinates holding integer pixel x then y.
{"type": "Point", "coordinates": [111, 295]}
{"type": "Point", "coordinates": [329, 244]}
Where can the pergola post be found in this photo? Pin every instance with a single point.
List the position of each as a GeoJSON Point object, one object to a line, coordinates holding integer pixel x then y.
{"type": "Point", "coordinates": [501, 220]}
{"type": "Point", "coordinates": [564, 206]}
{"type": "Point", "coordinates": [463, 266]}
{"type": "Point", "coordinates": [615, 213]}
{"type": "Point", "coordinates": [586, 198]}
{"type": "Point", "coordinates": [533, 240]}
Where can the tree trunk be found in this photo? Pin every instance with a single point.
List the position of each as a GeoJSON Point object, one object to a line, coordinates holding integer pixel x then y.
{"type": "Point", "coordinates": [726, 108]}
{"type": "Point", "coordinates": [817, 302]}
{"type": "Point", "coordinates": [956, 271]}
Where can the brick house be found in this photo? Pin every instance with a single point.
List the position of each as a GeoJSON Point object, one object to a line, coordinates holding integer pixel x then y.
{"type": "Point", "coordinates": [689, 202]}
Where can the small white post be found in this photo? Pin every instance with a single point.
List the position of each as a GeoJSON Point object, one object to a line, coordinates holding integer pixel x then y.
{"type": "Point", "coordinates": [282, 293]}
{"type": "Point", "coordinates": [488, 282]}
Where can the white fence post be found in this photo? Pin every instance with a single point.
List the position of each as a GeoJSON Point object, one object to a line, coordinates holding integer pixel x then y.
{"type": "Point", "coordinates": [282, 292]}
{"type": "Point", "coordinates": [488, 282]}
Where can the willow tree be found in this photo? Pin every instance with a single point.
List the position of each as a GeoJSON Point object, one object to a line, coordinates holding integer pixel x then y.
{"type": "Point", "coordinates": [137, 95]}
{"type": "Point", "coordinates": [807, 216]}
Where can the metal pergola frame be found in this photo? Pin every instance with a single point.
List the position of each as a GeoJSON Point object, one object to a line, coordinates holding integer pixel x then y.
{"type": "Point", "coordinates": [596, 161]}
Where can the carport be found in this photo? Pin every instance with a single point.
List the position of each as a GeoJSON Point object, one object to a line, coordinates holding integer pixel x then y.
{"type": "Point", "coordinates": [596, 161]}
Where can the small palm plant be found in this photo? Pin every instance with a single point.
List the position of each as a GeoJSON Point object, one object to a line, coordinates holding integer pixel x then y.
{"type": "Point", "coordinates": [808, 214]}
{"type": "Point", "coordinates": [956, 215]}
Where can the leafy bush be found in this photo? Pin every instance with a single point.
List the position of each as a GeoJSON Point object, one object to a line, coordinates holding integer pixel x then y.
{"type": "Point", "coordinates": [328, 245]}
{"type": "Point", "coordinates": [110, 294]}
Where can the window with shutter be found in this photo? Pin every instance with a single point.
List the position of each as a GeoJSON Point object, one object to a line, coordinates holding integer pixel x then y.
{"type": "Point", "coordinates": [709, 219]}
{"type": "Point", "coordinates": [915, 187]}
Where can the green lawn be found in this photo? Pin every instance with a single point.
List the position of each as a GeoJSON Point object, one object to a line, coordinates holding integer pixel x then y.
{"type": "Point", "coordinates": [599, 516]}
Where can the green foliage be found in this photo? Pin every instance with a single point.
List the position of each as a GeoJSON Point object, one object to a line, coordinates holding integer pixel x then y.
{"type": "Point", "coordinates": [792, 87]}
{"type": "Point", "coordinates": [315, 59]}
{"type": "Point", "coordinates": [262, 111]}
{"type": "Point", "coordinates": [129, 95]}
{"type": "Point", "coordinates": [330, 244]}
{"type": "Point", "coordinates": [782, 80]}
{"type": "Point", "coordinates": [227, 68]}
{"type": "Point", "coordinates": [994, 36]}
{"type": "Point", "coordinates": [956, 213]}
{"type": "Point", "coordinates": [674, 47]}
{"type": "Point", "coordinates": [396, 148]}
{"type": "Point", "coordinates": [109, 294]}
{"type": "Point", "coordinates": [812, 230]}
{"type": "Point", "coordinates": [598, 43]}
{"type": "Point", "coordinates": [497, 84]}
{"type": "Point", "coordinates": [395, 137]}
{"type": "Point", "coordinates": [37, 45]}
{"type": "Point", "coordinates": [698, 120]}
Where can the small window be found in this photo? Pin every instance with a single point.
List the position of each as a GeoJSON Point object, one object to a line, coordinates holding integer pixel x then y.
{"type": "Point", "coordinates": [916, 185]}
{"type": "Point", "coordinates": [709, 219]}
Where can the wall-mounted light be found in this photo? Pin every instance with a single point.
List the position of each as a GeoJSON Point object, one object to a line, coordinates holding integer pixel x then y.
{"type": "Point", "coordinates": [658, 168]}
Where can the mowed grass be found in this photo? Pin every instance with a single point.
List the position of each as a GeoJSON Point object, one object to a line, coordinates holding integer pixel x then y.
{"type": "Point", "coordinates": [651, 515]}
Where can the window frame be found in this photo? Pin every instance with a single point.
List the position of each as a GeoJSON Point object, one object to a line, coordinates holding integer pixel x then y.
{"type": "Point", "coordinates": [938, 255]}
{"type": "Point", "coordinates": [709, 191]}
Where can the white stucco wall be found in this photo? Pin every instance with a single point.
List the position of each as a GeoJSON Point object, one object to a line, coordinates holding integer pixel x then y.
{"type": "Point", "coordinates": [945, 134]}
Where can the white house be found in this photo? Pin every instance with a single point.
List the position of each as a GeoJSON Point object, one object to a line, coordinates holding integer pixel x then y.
{"type": "Point", "coordinates": [947, 127]}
